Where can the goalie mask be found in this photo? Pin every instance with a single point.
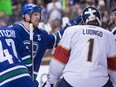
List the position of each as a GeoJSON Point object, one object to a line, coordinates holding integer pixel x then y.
{"type": "Point", "coordinates": [91, 14]}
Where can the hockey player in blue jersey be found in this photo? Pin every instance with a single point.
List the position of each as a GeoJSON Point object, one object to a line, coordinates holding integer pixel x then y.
{"type": "Point", "coordinates": [41, 39]}
{"type": "Point", "coordinates": [13, 72]}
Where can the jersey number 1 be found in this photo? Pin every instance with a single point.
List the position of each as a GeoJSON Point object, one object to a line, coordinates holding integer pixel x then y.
{"type": "Point", "coordinates": [90, 51]}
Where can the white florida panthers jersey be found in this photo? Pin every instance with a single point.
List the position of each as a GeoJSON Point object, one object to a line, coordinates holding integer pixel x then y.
{"type": "Point", "coordinates": [84, 50]}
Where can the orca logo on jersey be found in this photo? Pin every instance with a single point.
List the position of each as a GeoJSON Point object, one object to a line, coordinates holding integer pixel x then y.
{"type": "Point", "coordinates": [35, 47]}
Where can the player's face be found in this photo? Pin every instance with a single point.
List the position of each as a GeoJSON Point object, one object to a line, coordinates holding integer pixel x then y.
{"type": "Point", "coordinates": [114, 16]}
{"type": "Point", "coordinates": [35, 18]}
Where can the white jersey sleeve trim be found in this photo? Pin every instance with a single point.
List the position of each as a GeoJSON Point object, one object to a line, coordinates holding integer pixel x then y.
{"type": "Point", "coordinates": [55, 73]}
{"type": "Point", "coordinates": [26, 57]}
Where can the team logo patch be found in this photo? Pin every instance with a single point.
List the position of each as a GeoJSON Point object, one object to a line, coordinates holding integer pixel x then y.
{"type": "Point", "coordinates": [35, 47]}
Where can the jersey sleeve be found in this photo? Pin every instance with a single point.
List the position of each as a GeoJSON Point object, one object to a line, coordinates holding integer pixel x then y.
{"type": "Point", "coordinates": [62, 51]}
{"type": "Point", "coordinates": [112, 60]}
{"type": "Point", "coordinates": [111, 52]}
{"type": "Point", "coordinates": [73, 22]}
{"type": "Point", "coordinates": [55, 38]}
{"type": "Point", "coordinates": [60, 58]}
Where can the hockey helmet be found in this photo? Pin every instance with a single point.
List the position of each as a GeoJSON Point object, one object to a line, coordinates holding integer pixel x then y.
{"type": "Point", "coordinates": [91, 14]}
{"type": "Point", "coordinates": [30, 8]}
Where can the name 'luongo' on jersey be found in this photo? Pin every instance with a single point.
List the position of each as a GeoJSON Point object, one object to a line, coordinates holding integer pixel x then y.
{"type": "Point", "coordinates": [7, 33]}
{"type": "Point", "coordinates": [93, 32]}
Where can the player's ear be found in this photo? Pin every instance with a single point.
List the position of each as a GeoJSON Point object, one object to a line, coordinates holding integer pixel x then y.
{"type": "Point", "coordinates": [27, 17]}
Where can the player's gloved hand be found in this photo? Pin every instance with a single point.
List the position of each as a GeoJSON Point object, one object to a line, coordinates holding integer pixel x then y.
{"type": "Point", "coordinates": [75, 21]}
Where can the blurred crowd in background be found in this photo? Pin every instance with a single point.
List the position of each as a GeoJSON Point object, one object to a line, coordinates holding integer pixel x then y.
{"type": "Point", "coordinates": [55, 10]}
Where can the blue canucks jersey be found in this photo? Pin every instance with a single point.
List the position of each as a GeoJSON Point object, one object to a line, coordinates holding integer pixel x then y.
{"type": "Point", "coordinates": [41, 41]}
{"type": "Point", "coordinates": [12, 53]}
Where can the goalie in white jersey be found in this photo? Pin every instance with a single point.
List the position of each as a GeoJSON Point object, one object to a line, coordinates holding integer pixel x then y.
{"type": "Point", "coordinates": [84, 55]}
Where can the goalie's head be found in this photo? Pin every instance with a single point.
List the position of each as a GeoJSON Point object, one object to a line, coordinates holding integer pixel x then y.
{"type": "Point", "coordinates": [30, 8]}
{"type": "Point", "coordinates": [91, 16]}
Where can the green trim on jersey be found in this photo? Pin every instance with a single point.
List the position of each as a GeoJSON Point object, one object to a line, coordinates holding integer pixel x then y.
{"type": "Point", "coordinates": [13, 73]}
{"type": "Point", "coordinates": [27, 61]}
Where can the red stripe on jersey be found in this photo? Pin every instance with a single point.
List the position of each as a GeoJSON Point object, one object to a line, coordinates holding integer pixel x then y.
{"type": "Point", "coordinates": [61, 54]}
{"type": "Point", "coordinates": [112, 63]}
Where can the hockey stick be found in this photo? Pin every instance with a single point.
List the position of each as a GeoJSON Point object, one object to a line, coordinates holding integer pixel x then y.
{"type": "Point", "coordinates": [44, 84]}
{"type": "Point", "coordinates": [31, 50]}
{"type": "Point", "coordinates": [52, 85]}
